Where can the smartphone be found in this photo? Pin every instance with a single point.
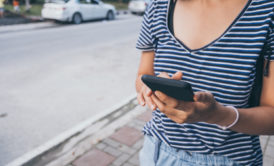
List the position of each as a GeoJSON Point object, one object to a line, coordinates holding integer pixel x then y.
{"type": "Point", "coordinates": [179, 90]}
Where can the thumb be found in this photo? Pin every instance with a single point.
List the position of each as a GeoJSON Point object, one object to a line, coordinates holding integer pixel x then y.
{"type": "Point", "coordinates": [197, 96]}
{"type": "Point", "coordinates": [203, 96]}
{"type": "Point", "coordinates": [177, 76]}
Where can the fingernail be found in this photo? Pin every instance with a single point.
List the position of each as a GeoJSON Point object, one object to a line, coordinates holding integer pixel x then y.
{"type": "Point", "coordinates": [142, 103]}
{"type": "Point", "coordinates": [153, 107]}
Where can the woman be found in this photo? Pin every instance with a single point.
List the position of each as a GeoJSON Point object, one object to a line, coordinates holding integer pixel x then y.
{"type": "Point", "coordinates": [214, 45]}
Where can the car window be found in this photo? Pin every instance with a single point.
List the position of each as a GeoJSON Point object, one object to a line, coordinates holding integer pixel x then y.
{"type": "Point", "coordinates": [85, 1]}
{"type": "Point", "coordinates": [89, 2]}
{"type": "Point", "coordinates": [95, 2]}
{"type": "Point", "coordinates": [56, 1]}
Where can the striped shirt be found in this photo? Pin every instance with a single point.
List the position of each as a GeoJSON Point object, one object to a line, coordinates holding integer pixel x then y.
{"type": "Point", "coordinates": [225, 67]}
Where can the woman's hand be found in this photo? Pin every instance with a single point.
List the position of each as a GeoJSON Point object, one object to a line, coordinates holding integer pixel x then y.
{"type": "Point", "coordinates": [146, 67]}
{"type": "Point", "coordinates": [144, 97]}
{"type": "Point", "coordinates": [204, 108]}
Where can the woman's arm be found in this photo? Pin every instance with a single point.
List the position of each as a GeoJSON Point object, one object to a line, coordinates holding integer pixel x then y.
{"type": "Point", "coordinates": [145, 67]}
{"type": "Point", "coordinates": [258, 120]}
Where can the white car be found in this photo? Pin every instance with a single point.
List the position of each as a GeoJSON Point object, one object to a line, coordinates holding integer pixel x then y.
{"type": "Point", "coordinates": [138, 6]}
{"type": "Point", "coordinates": [77, 11]}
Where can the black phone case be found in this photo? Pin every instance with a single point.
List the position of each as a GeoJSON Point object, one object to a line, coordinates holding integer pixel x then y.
{"type": "Point", "coordinates": [174, 88]}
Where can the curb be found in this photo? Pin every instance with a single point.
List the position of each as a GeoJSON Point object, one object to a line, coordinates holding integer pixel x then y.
{"type": "Point", "coordinates": [25, 27]}
{"type": "Point", "coordinates": [71, 144]}
{"type": "Point", "coordinates": [120, 12]}
{"type": "Point", "coordinates": [41, 23]}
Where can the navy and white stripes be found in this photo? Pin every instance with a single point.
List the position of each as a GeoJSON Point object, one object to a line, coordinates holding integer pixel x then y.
{"type": "Point", "coordinates": [225, 67]}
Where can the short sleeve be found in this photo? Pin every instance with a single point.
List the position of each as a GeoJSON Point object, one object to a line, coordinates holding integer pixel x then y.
{"type": "Point", "coordinates": [270, 40]}
{"type": "Point", "coordinates": [145, 40]}
{"type": "Point", "coordinates": [271, 45]}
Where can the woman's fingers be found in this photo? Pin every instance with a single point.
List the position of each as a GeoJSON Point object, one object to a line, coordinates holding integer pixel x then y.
{"type": "Point", "coordinates": [178, 116]}
{"type": "Point", "coordinates": [166, 99]}
{"type": "Point", "coordinates": [147, 91]}
{"type": "Point", "coordinates": [159, 104]}
{"type": "Point", "coordinates": [147, 96]}
{"type": "Point", "coordinates": [166, 109]}
{"type": "Point", "coordinates": [177, 76]}
{"type": "Point", "coordinates": [141, 99]}
{"type": "Point", "coordinates": [164, 75]}
{"type": "Point", "coordinates": [203, 97]}
{"type": "Point", "coordinates": [149, 102]}
{"type": "Point", "coordinates": [144, 97]}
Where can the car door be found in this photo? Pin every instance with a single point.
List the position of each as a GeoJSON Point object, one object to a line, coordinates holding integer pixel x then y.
{"type": "Point", "coordinates": [96, 9]}
{"type": "Point", "coordinates": [103, 9]}
{"type": "Point", "coordinates": [85, 8]}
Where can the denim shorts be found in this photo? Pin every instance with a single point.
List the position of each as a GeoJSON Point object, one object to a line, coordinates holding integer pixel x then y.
{"type": "Point", "coordinates": [156, 153]}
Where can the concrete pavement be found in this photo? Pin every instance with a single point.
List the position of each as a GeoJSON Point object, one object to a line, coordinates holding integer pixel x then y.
{"type": "Point", "coordinates": [267, 143]}
{"type": "Point", "coordinates": [119, 149]}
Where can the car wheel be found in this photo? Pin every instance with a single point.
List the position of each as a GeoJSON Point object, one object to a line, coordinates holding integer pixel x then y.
{"type": "Point", "coordinates": [77, 18]}
{"type": "Point", "coordinates": [110, 15]}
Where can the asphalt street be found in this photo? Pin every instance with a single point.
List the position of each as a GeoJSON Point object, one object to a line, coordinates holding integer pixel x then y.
{"type": "Point", "coordinates": [51, 79]}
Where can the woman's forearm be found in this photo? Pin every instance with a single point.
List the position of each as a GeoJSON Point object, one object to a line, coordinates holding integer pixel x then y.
{"type": "Point", "coordinates": [254, 121]}
{"type": "Point", "coordinates": [257, 120]}
{"type": "Point", "coordinates": [145, 67]}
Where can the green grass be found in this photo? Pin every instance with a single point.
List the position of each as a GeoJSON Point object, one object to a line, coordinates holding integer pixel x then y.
{"type": "Point", "coordinates": [35, 10]}
{"type": "Point", "coordinates": [118, 5]}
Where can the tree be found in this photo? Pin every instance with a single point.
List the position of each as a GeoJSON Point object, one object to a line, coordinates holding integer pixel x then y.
{"type": "Point", "coordinates": [28, 6]}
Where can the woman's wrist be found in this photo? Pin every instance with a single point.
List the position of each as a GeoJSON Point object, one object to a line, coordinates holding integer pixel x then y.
{"type": "Point", "coordinates": [225, 116]}
{"type": "Point", "coordinates": [236, 112]}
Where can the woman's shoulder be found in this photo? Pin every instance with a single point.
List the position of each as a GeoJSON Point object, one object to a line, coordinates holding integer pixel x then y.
{"type": "Point", "coordinates": [263, 3]}
{"type": "Point", "coordinates": [263, 6]}
{"type": "Point", "coordinates": [156, 7]}
{"type": "Point", "coordinates": [159, 1]}
{"type": "Point", "coordinates": [158, 4]}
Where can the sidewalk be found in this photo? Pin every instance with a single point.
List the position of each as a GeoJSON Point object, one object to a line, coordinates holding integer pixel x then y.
{"type": "Point", "coordinates": [267, 143]}
{"type": "Point", "coordinates": [123, 146]}
{"type": "Point", "coordinates": [112, 138]}
{"type": "Point", "coordinates": [119, 149]}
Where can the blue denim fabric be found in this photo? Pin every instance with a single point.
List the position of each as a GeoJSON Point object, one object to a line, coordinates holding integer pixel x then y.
{"type": "Point", "coordinates": [156, 153]}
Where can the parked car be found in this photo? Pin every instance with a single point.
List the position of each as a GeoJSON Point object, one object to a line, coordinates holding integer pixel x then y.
{"type": "Point", "coordinates": [77, 11]}
{"type": "Point", "coordinates": [138, 6]}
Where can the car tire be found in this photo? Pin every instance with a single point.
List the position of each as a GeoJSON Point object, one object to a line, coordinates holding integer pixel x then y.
{"type": "Point", "coordinates": [77, 18]}
{"type": "Point", "coordinates": [110, 15]}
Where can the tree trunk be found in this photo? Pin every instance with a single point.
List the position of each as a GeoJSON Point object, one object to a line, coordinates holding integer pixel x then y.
{"type": "Point", "coordinates": [28, 6]}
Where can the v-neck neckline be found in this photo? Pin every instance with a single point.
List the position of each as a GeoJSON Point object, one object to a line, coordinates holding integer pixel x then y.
{"type": "Point", "coordinates": [210, 43]}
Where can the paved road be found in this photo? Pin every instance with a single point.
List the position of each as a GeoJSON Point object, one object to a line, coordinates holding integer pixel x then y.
{"type": "Point", "coordinates": [53, 78]}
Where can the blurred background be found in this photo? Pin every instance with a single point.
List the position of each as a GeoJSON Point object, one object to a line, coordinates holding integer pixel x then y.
{"type": "Point", "coordinates": [62, 62]}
